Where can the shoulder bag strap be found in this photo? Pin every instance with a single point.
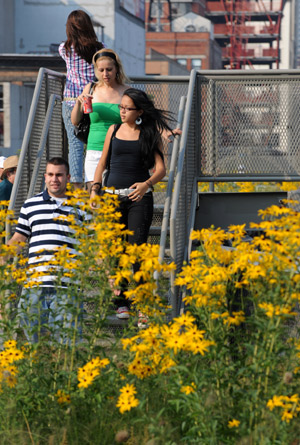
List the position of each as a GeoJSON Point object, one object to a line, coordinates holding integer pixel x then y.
{"type": "Point", "coordinates": [92, 87]}
{"type": "Point", "coordinates": [117, 126]}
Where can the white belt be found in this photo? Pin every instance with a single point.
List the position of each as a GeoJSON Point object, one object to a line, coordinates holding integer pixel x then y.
{"type": "Point", "coordinates": [122, 192]}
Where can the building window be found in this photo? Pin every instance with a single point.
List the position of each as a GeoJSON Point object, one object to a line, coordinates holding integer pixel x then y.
{"type": "Point", "coordinates": [182, 62]}
{"type": "Point", "coordinates": [196, 64]}
{"type": "Point", "coordinates": [1, 117]}
{"type": "Point", "coordinates": [180, 9]}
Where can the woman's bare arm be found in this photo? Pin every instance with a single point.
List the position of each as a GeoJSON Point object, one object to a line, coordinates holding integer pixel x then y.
{"type": "Point", "coordinates": [102, 162]}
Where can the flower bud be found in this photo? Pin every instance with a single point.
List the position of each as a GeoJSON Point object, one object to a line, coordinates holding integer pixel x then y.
{"type": "Point", "coordinates": [288, 377]}
{"type": "Point", "coordinates": [122, 436]}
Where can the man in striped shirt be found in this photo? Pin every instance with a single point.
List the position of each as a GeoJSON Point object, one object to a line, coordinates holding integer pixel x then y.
{"type": "Point", "coordinates": [40, 224]}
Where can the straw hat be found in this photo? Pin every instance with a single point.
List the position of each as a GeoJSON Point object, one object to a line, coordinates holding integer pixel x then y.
{"type": "Point", "coordinates": [10, 162]}
{"type": "Point", "coordinates": [2, 159]}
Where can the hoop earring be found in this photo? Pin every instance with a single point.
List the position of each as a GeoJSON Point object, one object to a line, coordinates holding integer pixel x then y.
{"type": "Point", "coordinates": [138, 120]}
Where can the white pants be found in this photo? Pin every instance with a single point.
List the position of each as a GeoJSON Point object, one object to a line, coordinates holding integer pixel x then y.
{"type": "Point", "coordinates": [90, 164]}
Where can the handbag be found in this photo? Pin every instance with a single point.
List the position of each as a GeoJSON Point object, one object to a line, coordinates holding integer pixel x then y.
{"type": "Point", "coordinates": [81, 131]}
{"type": "Point", "coordinates": [106, 171]}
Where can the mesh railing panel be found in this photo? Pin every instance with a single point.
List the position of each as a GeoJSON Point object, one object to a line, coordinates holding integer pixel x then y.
{"type": "Point", "coordinates": [249, 125]}
{"type": "Point", "coordinates": [55, 145]}
{"type": "Point", "coordinates": [51, 84]}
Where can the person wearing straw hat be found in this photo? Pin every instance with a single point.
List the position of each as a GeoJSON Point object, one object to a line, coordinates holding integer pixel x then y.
{"type": "Point", "coordinates": [2, 159]}
{"type": "Point", "coordinates": [8, 177]}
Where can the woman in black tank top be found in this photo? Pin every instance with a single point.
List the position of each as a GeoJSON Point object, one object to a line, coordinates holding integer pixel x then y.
{"type": "Point", "coordinates": [135, 149]}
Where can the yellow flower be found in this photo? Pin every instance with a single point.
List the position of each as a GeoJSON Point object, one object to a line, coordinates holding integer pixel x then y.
{"type": "Point", "coordinates": [62, 397]}
{"type": "Point", "coordinates": [185, 319]}
{"type": "Point", "coordinates": [175, 342]}
{"type": "Point", "coordinates": [188, 389]}
{"type": "Point", "coordinates": [128, 390]}
{"type": "Point", "coordinates": [275, 401]}
{"type": "Point", "coordinates": [234, 423]}
{"type": "Point", "coordinates": [127, 400]}
{"type": "Point", "coordinates": [140, 369]}
{"type": "Point", "coordinates": [166, 364]}
{"type": "Point", "coordinates": [10, 344]}
{"type": "Point", "coordinates": [200, 346]}
{"type": "Point", "coordinates": [11, 381]}
{"type": "Point", "coordinates": [87, 373]}
{"type": "Point", "coordinates": [235, 319]}
{"type": "Point", "coordinates": [85, 381]}
{"type": "Point", "coordinates": [125, 404]}
{"type": "Point", "coordinates": [287, 415]}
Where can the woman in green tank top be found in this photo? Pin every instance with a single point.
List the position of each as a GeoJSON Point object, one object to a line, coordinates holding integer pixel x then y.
{"type": "Point", "coordinates": [106, 97]}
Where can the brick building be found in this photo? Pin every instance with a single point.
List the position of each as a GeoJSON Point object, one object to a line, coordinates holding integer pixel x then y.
{"type": "Point", "coordinates": [187, 39]}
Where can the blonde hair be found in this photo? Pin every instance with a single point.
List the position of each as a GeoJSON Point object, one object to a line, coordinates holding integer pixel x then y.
{"type": "Point", "coordinates": [109, 54]}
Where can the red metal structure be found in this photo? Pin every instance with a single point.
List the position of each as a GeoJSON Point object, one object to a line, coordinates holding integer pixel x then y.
{"type": "Point", "coordinates": [247, 30]}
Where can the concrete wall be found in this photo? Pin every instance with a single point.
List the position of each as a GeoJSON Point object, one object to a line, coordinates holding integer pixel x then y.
{"type": "Point", "coordinates": [7, 36]}
{"type": "Point", "coordinates": [16, 101]}
{"type": "Point", "coordinates": [130, 45]}
{"type": "Point", "coordinates": [286, 44]}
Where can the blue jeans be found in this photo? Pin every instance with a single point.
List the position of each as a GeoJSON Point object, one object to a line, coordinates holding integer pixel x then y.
{"type": "Point", "coordinates": [76, 147]}
{"type": "Point", "coordinates": [41, 308]}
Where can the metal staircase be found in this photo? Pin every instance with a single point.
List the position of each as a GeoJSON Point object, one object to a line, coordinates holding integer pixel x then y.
{"type": "Point", "coordinates": [237, 125]}
{"type": "Point", "coordinates": [45, 137]}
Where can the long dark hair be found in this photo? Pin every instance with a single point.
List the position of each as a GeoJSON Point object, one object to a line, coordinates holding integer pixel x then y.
{"type": "Point", "coordinates": [154, 122]}
{"type": "Point", "coordinates": [81, 35]}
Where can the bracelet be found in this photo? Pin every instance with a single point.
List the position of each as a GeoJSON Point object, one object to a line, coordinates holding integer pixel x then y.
{"type": "Point", "coordinates": [98, 189]}
{"type": "Point", "coordinates": [149, 185]}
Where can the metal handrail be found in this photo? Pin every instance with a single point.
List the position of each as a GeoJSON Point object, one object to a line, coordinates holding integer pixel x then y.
{"type": "Point", "coordinates": [26, 140]}
{"type": "Point", "coordinates": [178, 180]}
{"type": "Point", "coordinates": [42, 144]}
{"type": "Point", "coordinates": [188, 245]}
{"type": "Point", "coordinates": [167, 204]}
{"type": "Point", "coordinates": [28, 130]}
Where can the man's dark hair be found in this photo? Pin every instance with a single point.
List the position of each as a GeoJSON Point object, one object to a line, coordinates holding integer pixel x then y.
{"type": "Point", "coordinates": [59, 161]}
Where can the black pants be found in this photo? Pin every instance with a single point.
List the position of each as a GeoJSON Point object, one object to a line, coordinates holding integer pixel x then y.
{"type": "Point", "coordinates": [137, 217]}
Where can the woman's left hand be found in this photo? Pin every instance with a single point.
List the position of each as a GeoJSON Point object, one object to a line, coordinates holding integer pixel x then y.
{"type": "Point", "coordinates": [167, 135]}
{"type": "Point", "coordinates": [140, 188]}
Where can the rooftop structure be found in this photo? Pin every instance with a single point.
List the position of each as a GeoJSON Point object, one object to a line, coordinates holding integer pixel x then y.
{"type": "Point", "coordinates": [247, 30]}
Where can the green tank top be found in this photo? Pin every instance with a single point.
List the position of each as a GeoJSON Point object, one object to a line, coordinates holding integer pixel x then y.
{"type": "Point", "coordinates": [103, 116]}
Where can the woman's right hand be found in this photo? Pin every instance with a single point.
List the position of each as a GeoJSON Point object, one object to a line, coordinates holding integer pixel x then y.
{"type": "Point", "coordinates": [82, 97]}
{"type": "Point", "coordinates": [93, 200]}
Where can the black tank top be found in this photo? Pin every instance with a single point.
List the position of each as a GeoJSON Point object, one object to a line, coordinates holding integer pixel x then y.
{"type": "Point", "coordinates": [126, 166]}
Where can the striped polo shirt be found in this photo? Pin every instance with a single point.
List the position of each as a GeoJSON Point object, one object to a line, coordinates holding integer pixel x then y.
{"type": "Point", "coordinates": [39, 222]}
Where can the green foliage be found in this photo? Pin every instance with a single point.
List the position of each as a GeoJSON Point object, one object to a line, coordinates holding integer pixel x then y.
{"type": "Point", "coordinates": [226, 371]}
